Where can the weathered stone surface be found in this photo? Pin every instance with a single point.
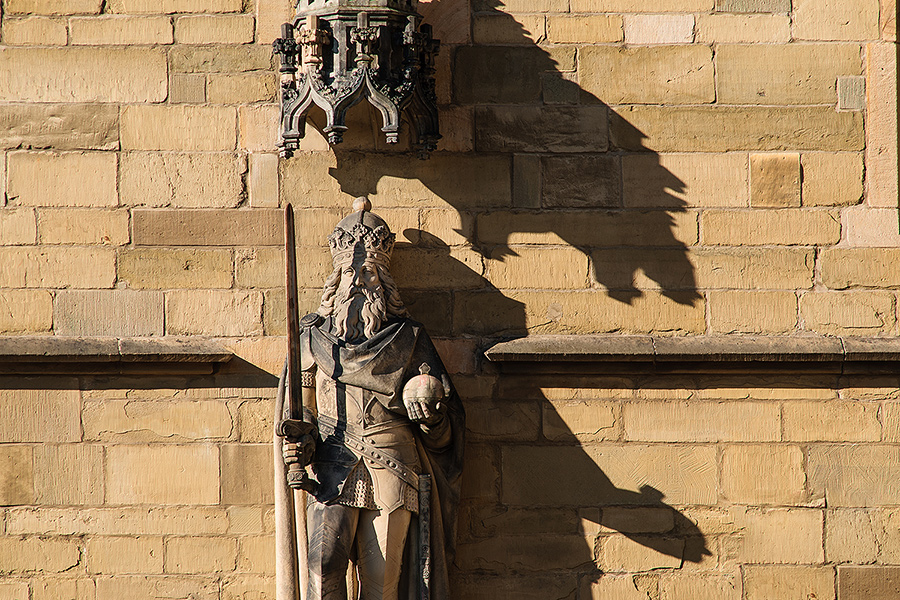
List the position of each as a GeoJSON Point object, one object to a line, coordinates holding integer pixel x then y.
{"type": "Point", "coordinates": [17, 226]}
{"type": "Point", "coordinates": [54, 7]}
{"type": "Point", "coordinates": [218, 29]}
{"type": "Point", "coordinates": [619, 553]}
{"type": "Point", "coordinates": [689, 587]}
{"type": "Point", "coordinates": [143, 421]}
{"type": "Point", "coordinates": [502, 421]}
{"type": "Point", "coordinates": [832, 179]}
{"type": "Point", "coordinates": [208, 180]}
{"type": "Point", "coordinates": [743, 29]}
{"type": "Point", "coordinates": [263, 180]}
{"type": "Point", "coordinates": [162, 474]}
{"type": "Point", "coordinates": [264, 267]}
{"type": "Point", "coordinates": [187, 88]}
{"type": "Point", "coordinates": [881, 132]}
{"type": "Point", "coordinates": [659, 29]}
{"type": "Point", "coordinates": [15, 590]}
{"type": "Point", "coordinates": [786, 583]}
{"type": "Point", "coordinates": [172, 268]}
{"type": "Point", "coordinates": [754, 268]}
{"type": "Point", "coordinates": [525, 553]}
{"type": "Point", "coordinates": [850, 536]}
{"type": "Point", "coordinates": [578, 420]}
{"type": "Point", "coordinates": [119, 313]}
{"type": "Point", "coordinates": [200, 555]}
{"type": "Point", "coordinates": [504, 74]}
{"type": "Point", "coordinates": [16, 475]}
{"type": "Point", "coordinates": [701, 422]}
{"type": "Point", "coordinates": [541, 129]}
{"type": "Point", "coordinates": [833, 20]}
{"type": "Point", "coordinates": [175, 6]}
{"type": "Point", "coordinates": [64, 226]}
{"type": "Point", "coordinates": [783, 73]}
{"type": "Point", "coordinates": [257, 555]}
{"type": "Point", "coordinates": [867, 227]}
{"type": "Point", "coordinates": [868, 583]}
{"type": "Point", "coordinates": [211, 312]}
{"type": "Point", "coordinates": [270, 14]}
{"type": "Point", "coordinates": [120, 31]}
{"type": "Point", "coordinates": [854, 475]}
{"type": "Point", "coordinates": [758, 475]}
{"type": "Point", "coordinates": [583, 181]}
{"type": "Point", "coordinates": [775, 180]}
{"type": "Point", "coordinates": [762, 540]}
{"type": "Point", "coordinates": [220, 58]}
{"type": "Point", "coordinates": [606, 474]}
{"type": "Point", "coordinates": [136, 587]}
{"type": "Point", "coordinates": [82, 482]}
{"type": "Point", "coordinates": [35, 554]}
{"type": "Point", "coordinates": [590, 29]}
{"type": "Point", "coordinates": [498, 28]}
{"type": "Point", "coordinates": [856, 313]}
{"type": "Point", "coordinates": [34, 31]}
{"type": "Point", "coordinates": [679, 180]}
{"type": "Point", "coordinates": [25, 311]}
{"type": "Point", "coordinates": [59, 126]}
{"type": "Point", "coordinates": [62, 179]}
{"type": "Point", "coordinates": [178, 127]}
{"type": "Point", "coordinates": [752, 312]}
{"type": "Point", "coordinates": [71, 589]}
{"type": "Point", "coordinates": [172, 520]}
{"type": "Point", "coordinates": [124, 555]}
{"type": "Point", "coordinates": [831, 422]}
{"type": "Point", "coordinates": [207, 227]}
{"type": "Point", "coordinates": [722, 129]}
{"type": "Point", "coordinates": [851, 92]}
{"type": "Point", "coordinates": [641, 6]}
{"type": "Point", "coordinates": [256, 135]}
{"type": "Point", "coordinates": [29, 415]}
{"type": "Point", "coordinates": [657, 75]}
{"type": "Point", "coordinates": [757, 228]}
{"type": "Point", "coordinates": [246, 472]}
{"type": "Point", "coordinates": [82, 75]}
{"type": "Point", "coordinates": [526, 191]}
{"type": "Point", "coordinates": [754, 6]}
{"type": "Point", "coordinates": [241, 88]}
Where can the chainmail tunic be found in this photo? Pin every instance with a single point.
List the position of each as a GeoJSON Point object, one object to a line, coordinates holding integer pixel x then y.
{"type": "Point", "coordinates": [359, 491]}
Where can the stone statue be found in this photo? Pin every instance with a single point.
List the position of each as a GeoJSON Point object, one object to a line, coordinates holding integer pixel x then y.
{"type": "Point", "coordinates": [380, 443]}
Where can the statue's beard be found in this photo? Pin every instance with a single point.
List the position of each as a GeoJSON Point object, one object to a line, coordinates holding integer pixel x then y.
{"type": "Point", "coordinates": [359, 315]}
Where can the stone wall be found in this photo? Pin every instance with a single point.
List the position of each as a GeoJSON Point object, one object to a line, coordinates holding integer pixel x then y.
{"type": "Point", "coordinates": [668, 167]}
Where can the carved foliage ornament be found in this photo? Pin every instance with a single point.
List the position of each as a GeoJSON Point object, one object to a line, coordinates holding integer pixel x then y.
{"type": "Point", "coordinates": [337, 53]}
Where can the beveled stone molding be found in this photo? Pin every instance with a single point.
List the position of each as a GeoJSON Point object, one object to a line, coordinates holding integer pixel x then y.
{"type": "Point", "coordinates": [574, 354]}
{"type": "Point", "coordinates": [49, 355]}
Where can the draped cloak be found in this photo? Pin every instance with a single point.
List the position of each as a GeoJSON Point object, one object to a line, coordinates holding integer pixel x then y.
{"type": "Point", "coordinates": [383, 364]}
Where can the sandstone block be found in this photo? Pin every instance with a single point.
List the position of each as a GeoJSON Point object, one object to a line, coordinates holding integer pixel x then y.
{"type": "Point", "coordinates": [54, 7]}
{"type": "Point", "coordinates": [82, 483]}
{"type": "Point", "coordinates": [59, 126]}
{"type": "Point", "coordinates": [220, 58]}
{"type": "Point", "coordinates": [83, 75]}
{"type": "Point", "coordinates": [120, 31]}
{"type": "Point", "coordinates": [701, 421]}
{"type": "Point", "coordinates": [499, 28]}
{"type": "Point", "coordinates": [207, 227]}
{"type": "Point", "coordinates": [15, 590]}
{"type": "Point", "coordinates": [831, 422]}
{"type": "Point", "coordinates": [55, 589]}
{"type": "Point", "coordinates": [241, 88]}
{"type": "Point", "coordinates": [757, 474]}
{"type": "Point", "coordinates": [620, 587]}
{"type": "Point", "coordinates": [888, 20]}
{"type": "Point", "coordinates": [478, 79]}
{"type": "Point", "coordinates": [210, 29]}
{"type": "Point", "coordinates": [581, 29]}
{"type": "Point", "coordinates": [17, 226]}
{"type": "Point", "coordinates": [264, 267]}
{"type": "Point", "coordinates": [657, 75]}
{"type": "Point", "coordinates": [563, 268]}
{"type": "Point", "coordinates": [209, 312]}
{"type": "Point", "coordinates": [796, 74]}
{"type": "Point", "coordinates": [743, 29]}
{"type": "Point", "coordinates": [754, 268]}
{"type": "Point", "coordinates": [175, 6]}
{"type": "Point", "coordinates": [659, 29]}
{"type": "Point", "coordinates": [481, 474]}
{"type": "Point", "coordinates": [690, 587]}
{"type": "Point", "coordinates": [679, 180]}
{"type": "Point", "coordinates": [637, 520]}
{"type": "Point", "coordinates": [869, 227]}
{"type": "Point", "coordinates": [246, 472]}
{"type": "Point", "coordinates": [124, 555]}
{"type": "Point", "coordinates": [832, 179]}
{"type": "Point", "coordinates": [762, 227]}
{"type": "Point", "coordinates": [172, 268]}
{"type": "Point", "coordinates": [851, 92]}
{"type": "Point", "coordinates": [582, 181]}
{"type": "Point", "coordinates": [526, 192]}
{"type": "Point", "coordinates": [753, 6]}
{"type": "Point", "coordinates": [753, 312]}
{"type": "Point", "coordinates": [524, 553]}
{"type": "Point", "coordinates": [254, 122]}
{"type": "Point", "coordinates": [181, 180]}
{"type": "Point", "coordinates": [28, 415]}
{"type": "Point", "coordinates": [25, 311]}
{"type": "Point", "coordinates": [16, 475]}
{"type": "Point", "coordinates": [503, 421]}
{"type": "Point", "coordinates": [657, 6]}
{"type": "Point", "coordinates": [607, 474]}
{"type": "Point", "coordinates": [761, 538]}
{"type": "Point", "coordinates": [890, 420]}
{"type": "Point", "coordinates": [274, 310]}
{"type": "Point", "coordinates": [119, 521]}
{"type": "Point", "coordinates": [541, 129]}
{"type": "Point", "coordinates": [145, 421]}
{"type": "Point", "coordinates": [35, 554]}
{"type": "Point", "coordinates": [722, 129]}
{"type": "Point", "coordinates": [35, 31]}
{"type": "Point", "coordinates": [135, 587]}
{"type": "Point", "coordinates": [786, 583]}
{"type": "Point", "coordinates": [163, 474]}
{"type": "Point", "coordinates": [62, 179]}
{"type": "Point", "coordinates": [70, 267]}
{"type": "Point", "coordinates": [774, 180]}
{"type": "Point", "coordinates": [64, 226]}
{"type": "Point", "coordinates": [850, 536]}
{"type": "Point", "coordinates": [15, 265]}
{"type": "Point", "coordinates": [856, 313]}
{"type": "Point", "coordinates": [270, 14]}
{"type": "Point", "coordinates": [583, 421]}
{"type": "Point", "coordinates": [831, 20]}
{"type": "Point", "coordinates": [245, 520]}
{"type": "Point", "coordinates": [196, 555]}
{"type": "Point", "coordinates": [868, 583]}
{"type": "Point", "coordinates": [887, 535]}
{"type": "Point", "coordinates": [257, 555]}
{"type": "Point", "coordinates": [254, 421]}
{"type": "Point", "coordinates": [628, 554]}
{"type": "Point", "coordinates": [239, 587]}
{"type": "Point", "coordinates": [184, 128]}
{"type": "Point", "coordinates": [187, 88]}
{"type": "Point", "coordinates": [854, 475]}
{"type": "Point", "coordinates": [881, 130]}
{"type": "Point", "coordinates": [460, 268]}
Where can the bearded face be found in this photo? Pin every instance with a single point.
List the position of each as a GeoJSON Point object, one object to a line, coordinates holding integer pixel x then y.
{"type": "Point", "coordinates": [360, 305]}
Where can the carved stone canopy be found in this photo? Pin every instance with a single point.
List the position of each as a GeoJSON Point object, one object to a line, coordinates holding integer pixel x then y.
{"type": "Point", "coordinates": [337, 53]}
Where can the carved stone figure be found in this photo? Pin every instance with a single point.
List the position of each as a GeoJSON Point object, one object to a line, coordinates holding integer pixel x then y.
{"type": "Point", "coordinates": [380, 441]}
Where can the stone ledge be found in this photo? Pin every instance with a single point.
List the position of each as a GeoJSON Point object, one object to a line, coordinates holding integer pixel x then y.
{"type": "Point", "coordinates": [699, 354]}
{"type": "Point", "coordinates": [39, 355]}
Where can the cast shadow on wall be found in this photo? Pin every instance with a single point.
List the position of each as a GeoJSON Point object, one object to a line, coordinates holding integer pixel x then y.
{"type": "Point", "coordinates": [563, 147]}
